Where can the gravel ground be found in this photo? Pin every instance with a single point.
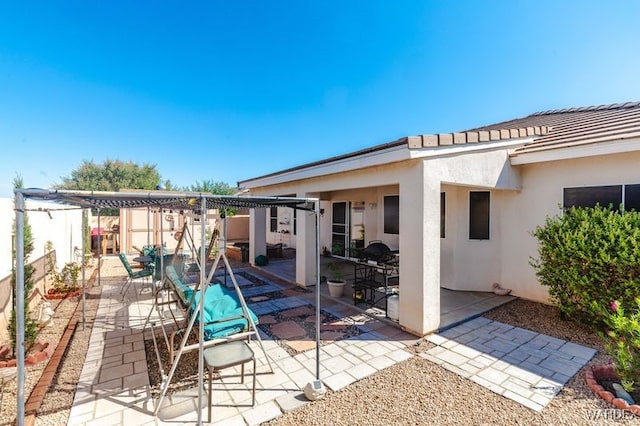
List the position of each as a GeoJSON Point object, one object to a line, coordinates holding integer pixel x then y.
{"type": "Point", "coordinates": [56, 406]}
{"type": "Point", "coordinates": [52, 333]}
{"type": "Point", "coordinates": [413, 392]}
{"type": "Point", "coordinates": [419, 392]}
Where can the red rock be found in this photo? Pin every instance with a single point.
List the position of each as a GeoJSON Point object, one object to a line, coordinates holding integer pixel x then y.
{"type": "Point", "coordinates": [50, 350]}
{"type": "Point", "coordinates": [287, 330]}
{"type": "Point", "coordinates": [620, 403]}
{"type": "Point", "coordinates": [30, 360]}
{"type": "Point", "coordinates": [41, 356]}
{"type": "Point", "coordinates": [3, 364]}
{"type": "Point", "coordinates": [312, 318]}
{"type": "Point", "coordinates": [12, 363]}
{"type": "Point", "coordinates": [606, 395]}
{"type": "Point", "coordinates": [635, 409]}
{"type": "Point", "coordinates": [5, 350]}
{"type": "Point", "coordinates": [267, 319]}
{"type": "Point", "coordinates": [597, 388]}
{"type": "Point", "coordinates": [299, 311]}
{"type": "Point", "coordinates": [331, 335]}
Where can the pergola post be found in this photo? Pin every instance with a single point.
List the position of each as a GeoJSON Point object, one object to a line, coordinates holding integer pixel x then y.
{"type": "Point", "coordinates": [19, 302]}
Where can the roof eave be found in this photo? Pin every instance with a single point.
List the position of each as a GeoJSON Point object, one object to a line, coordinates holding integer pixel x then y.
{"type": "Point", "coordinates": [382, 154]}
{"type": "Point", "coordinates": [577, 151]}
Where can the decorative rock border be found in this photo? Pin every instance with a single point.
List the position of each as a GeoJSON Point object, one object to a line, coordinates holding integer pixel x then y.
{"type": "Point", "coordinates": [39, 353]}
{"type": "Point", "coordinates": [53, 295]}
{"type": "Point", "coordinates": [606, 372]}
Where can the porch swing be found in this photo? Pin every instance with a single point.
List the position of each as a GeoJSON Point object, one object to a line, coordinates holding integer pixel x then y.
{"type": "Point", "coordinates": [226, 316]}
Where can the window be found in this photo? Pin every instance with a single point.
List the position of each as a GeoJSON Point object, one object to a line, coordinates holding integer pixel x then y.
{"type": "Point", "coordinates": [632, 197]}
{"type": "Point", "coordinates": [589, 196]}
{"type": "Point", "coordinates": [392, 214]}
{"type": "Point", "coordinates": [442, 213]}
{"type": "Point", "coordinates": [479, 208]}
{"type": "Point", "coordinates": [295, 221]}
{"type": "Point", "coordinates": [273, 219]}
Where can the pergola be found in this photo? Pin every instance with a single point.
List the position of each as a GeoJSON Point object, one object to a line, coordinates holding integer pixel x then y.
{"type": "Point", "coordinates": [197, 202]}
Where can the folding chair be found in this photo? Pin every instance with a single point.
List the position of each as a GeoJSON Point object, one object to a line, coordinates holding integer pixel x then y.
{"type": "Point", "coordinates": [143, 273]}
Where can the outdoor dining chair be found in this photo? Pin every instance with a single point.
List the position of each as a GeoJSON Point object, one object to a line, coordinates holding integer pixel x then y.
{"type": "Point", "coordinates": [143, 273]}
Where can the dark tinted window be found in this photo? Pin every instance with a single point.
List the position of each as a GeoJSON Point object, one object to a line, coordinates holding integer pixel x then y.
{"type": "Point", "coordinates": [392, 214]}
{"type": "Point", "coordinates": [273, 219]}
{"type": "Point", "coordinates": [442, 214]}
{"type": "Point", "coordinates": [632, 197]}
{"type": "Point", "coordinates": [589, 196]}
{"type": "Point", "coordinates": [479, 208]}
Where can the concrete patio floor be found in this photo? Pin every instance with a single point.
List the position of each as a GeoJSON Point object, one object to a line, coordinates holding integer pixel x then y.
{"type": "Point", "coordinates": [114, 386]}
{"type": "Point", "coordinates": [455, 306]}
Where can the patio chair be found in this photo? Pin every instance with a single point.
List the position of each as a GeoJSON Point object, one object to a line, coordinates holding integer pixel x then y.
{"type": "Point", "coordinates": [143, 273]}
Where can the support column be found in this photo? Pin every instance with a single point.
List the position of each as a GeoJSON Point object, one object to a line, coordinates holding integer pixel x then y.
{"type": "Point", "coordinates": [257, 234]}
{"type": "Point", "coordinates": [306, 246]}
{"type": "Point", "coordinates": [419, 251]}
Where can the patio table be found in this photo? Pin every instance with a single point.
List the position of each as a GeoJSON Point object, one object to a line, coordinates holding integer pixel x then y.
{"type": "Point", "coordinates": [143, 260]}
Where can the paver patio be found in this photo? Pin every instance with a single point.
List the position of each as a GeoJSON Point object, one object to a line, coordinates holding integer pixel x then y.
{"type": "Point", "coordinates": [519, 364]}
{"type": "Point", "coordinates": [114, 387]}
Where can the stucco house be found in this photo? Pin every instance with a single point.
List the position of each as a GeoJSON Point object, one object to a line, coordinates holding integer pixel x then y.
{"type": "Point", "coordinates": [459, 207]}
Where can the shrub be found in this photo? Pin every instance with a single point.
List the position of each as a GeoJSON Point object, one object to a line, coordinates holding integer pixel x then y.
{"type": "Point", "coordinates": [66, 279]}
{"type": "Point", "coordinates": [30, 325]}
{"type": "Point", "coordinates": [622, 339]}
{"type": "Point", "coordinates": [589, 255]}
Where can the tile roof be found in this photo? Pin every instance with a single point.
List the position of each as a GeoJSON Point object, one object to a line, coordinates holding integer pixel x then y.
{"type": "Point", "coordinates": [560, 128]}
{"type": "Point", "coordinates": [586, 126]}
{"type": "Point", "coordinates": [553, 129]}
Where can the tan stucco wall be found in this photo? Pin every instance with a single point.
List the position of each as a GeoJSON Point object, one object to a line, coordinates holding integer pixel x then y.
{"type": "Point", "coordinates": [542, 189]}
{"type": "Point", "coordinates": [521, 198]}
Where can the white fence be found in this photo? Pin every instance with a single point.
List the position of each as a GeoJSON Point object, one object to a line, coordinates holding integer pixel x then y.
{"type": "Point", "coordinates": [49, 222]}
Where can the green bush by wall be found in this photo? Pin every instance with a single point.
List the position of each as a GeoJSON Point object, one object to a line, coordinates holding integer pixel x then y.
{"type": "Point", "coordinates": [589, 255]}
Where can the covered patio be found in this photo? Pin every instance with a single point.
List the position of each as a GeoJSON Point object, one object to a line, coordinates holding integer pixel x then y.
{"type": "Point", "coordinates": [456, 306]}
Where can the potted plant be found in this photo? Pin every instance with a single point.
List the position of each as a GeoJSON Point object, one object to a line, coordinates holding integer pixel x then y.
{"type": "Point", "coordinates": [335, 279]}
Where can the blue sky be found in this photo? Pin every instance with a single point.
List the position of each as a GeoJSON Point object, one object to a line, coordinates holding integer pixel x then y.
{"type": "Point", "coordinates": [229, 90]}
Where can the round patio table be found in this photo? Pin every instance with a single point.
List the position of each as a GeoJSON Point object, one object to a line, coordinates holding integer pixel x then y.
{"type": "Point", "coordinates": [144, 260]}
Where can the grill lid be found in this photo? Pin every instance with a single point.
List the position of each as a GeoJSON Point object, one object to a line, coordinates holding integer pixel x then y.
{"type": "Point", "coordinates": [378, 251]}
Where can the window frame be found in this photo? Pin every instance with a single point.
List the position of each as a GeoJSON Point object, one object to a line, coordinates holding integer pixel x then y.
{"type": "Point", "coordinates": [475, 233]}
{"type": "Point", "coordinates": [391, 221]}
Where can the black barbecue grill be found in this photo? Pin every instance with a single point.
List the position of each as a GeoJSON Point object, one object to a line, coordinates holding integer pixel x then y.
{"type": "Point", "coordinates": [378, 252]}
{"type": "Point", "coordinates": [377, 265]}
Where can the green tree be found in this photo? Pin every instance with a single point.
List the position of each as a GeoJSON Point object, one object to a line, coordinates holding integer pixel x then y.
{"type": "Point", "coordinates": [111, 175]}
{"type": "Point", "coordinates": [216, 188]}
{"type": "Point", "coordinates": [30, 325]}
{"type": "Point", "coordinates": [213, 187]}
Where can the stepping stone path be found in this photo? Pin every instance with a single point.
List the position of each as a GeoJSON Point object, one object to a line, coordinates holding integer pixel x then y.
{"type": "Point", "coordinates": [527, 367]}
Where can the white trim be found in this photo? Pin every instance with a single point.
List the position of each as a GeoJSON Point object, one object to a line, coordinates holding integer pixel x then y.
{"type": "Point", "coordinates": [591, 150]}
{"type": "Point", "coordinates": [385, 156]}
{"type": "Point", "coordinates": [378, 158]}
{"type": "Point", "coordinates": [441, 151]}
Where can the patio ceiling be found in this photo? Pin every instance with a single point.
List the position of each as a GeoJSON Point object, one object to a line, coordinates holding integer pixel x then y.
{"type": "Point", "coordinates": [164, 199]}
